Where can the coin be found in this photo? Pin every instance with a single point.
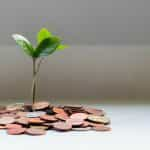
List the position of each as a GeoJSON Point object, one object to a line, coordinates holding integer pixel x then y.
{"type": "Point", "coordinates": [93, 111]}
{"type": "Point", "coordinates": [34, 114]}
{"type": "Point", "coordinates": [58, 110]}
{"type": "Point", "coordinates": [48, 118]}
{"type": "Point", "coordinates": [39, 127]}
{"type": "Point", "coordinates": [12, 126]}
{"type": "Point", "coordinates": [81, 129]}
{"type": "Point", "coordinates": [22, 120]}
{"type": "Point", "coordinates": [62, 126]}
{"type": "Point", "coordinates": [16, 106]}
{"type": "Point", "coordinates": [21, 114]}
{"type": "Point", "coordinates": [6, 120]}
{"type": "Point", "coordinates": [101, 128]}
{"type": "Point", "coordinates": [35, 120]}
{"type": "Point", "coordinates": [15, 131]}
{"type": "Point", "coordinates": [40, 105]}
{"type": "Point", "coordinates": [62, 116]}
{"type": "Point", "coordinates": [74, 121]}
{"type": "Point", "coordinates": [33, 131]}
{"type": "Point", "coordinates": [2, 127]}
{"type": "Point", "coordinates": [98, 119]}
{"type": "Point", "coordinates": [82, 116]}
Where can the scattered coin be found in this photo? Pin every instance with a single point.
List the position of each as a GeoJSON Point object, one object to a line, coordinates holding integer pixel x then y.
{"type": "Point", "coordinates": [99, 119]}
{"type": "Point", "coordinates": [82, 129]}
{"type": "Point", "coordinates": [33, 131]}
{"type": "Point", "coordinates": [62, 116]}
{"type": "Point", "coordinates": [13, 126]}
{"type": "Point", "coordinates": [35, 121]}
{"type": "Point", "coordinates": [2, 127]}
{"type": "Point", "coordinates": [22, 120]}
{"type": "Point", "coordinates": [62, 126]}
{"type": "Point", "coordinates": [75, 121]}
{"type": "Point", "coordinates": [48, 118]}
{"type": "Point", "coordinates": [81, 116]}
{"type": "Point", "coordinates": [34, 114]}
{"type": "Point", "coordinates": [94, 111]}
{"type": "Point", "coordinates": [58, 110]}
{"type": "Point", "coordinates": [15, 131]}
{"type": "Point", "coordinates": [101, 128]}
{"type": "Point", "coordinates": [6, 120]}
{"type": "Point", "coordinates": [39, 127]}
{"type": "Point", "coordinates": [40, 105]}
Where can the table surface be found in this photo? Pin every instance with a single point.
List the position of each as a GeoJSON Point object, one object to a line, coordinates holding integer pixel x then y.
{"type": "Point", "coordinates": [130, 130]}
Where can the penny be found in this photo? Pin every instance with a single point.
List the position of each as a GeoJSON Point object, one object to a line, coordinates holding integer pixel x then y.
{"type": "Point", "coordinates": [21, 114]}
{"type": "Point", "coordinates": [62, 126]}
{"type": "Point", "coordinates": [34, 114]}
{"type": "Point", "coordinates": [48, 118]}
{"type": "Point", "coordinates": [98, 119]}
{"type": "Point", "coordinates": [39, 127]}
{"type": "Point", "coordinates": [101, 128]}
{"type": "Point", "coordinates": [74, 121]}
{"type": "Point", "coordinates": [58, 110]}
{"type": "Point", "coordinates": [15, 131]}
{"type": "Point", "coordinates": [13, 126]}
{"type": "Point", "coordinates": [6, 120]}
{"type": "Point", "coordinates": [40, 105]}
{"type": "Point", "coordinates": [35, 120]}
{"type": "Point", "coordinates": [94, 111]}
{"type": "Point", "coordinates": [81, 129]}
{"type": "Point", "coordinates": [33, 131]}
{"type": "Point", "coordinates": [22, 120]}
{"type": "Point", "coordinates": [16, 106]}
{"type": "Point", "coordinates": [62, 116]}
{"type": "Point", "coordinates": [82, 116]}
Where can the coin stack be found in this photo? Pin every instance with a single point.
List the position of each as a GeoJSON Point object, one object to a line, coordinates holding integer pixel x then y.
{"type": "Point", "coordinates": [36, 119]}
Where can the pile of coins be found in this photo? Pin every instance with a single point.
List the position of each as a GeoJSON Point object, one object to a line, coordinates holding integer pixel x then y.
{"type": "Point", "coordinates": [36, 119]}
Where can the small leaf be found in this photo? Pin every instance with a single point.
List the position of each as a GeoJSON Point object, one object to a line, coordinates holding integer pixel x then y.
{"type": "Point", "coordinates": [24, 44]}
{"type": "Point", "coordinates": [43, 34]}
{"type": "Point", "coordinates": [62, 47]}
{"type": "Point", "coordinates": [47, 47]}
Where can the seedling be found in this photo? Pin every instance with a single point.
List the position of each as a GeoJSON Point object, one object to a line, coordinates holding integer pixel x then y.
{"type": "Point", "coordinates": [47, 44]}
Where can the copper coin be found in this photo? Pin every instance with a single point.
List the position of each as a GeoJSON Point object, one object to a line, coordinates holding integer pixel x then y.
{"type": "Point", "coordinates": [98, 119]}
{"type": "Point", "coordinates": [22, 120]}
{"type": "Point", "coordinates": [58, 110]}
{"type": "Point", "coordinates": [39, 127]}
{"type": "Point", "coordinates": [48, 124]}
{"type": "Point", "coordinates": [13, 126]}
{"type": "Point", "coordinates": [81, 116]}
{"type": "Point", "coordinates": [35, 120]}
{"type": "Point", "coordinates": [48, 118]}
{"type": "Point", "coordinates": [62, 116]}
{"type": "Point", "coordinates": [62, 126]}
{"type": "Point", "coordinates": [93, 111]}
{"type": "Point", "coordinates": [74, 121]}
{"type": "Point", "coordinates": [6, 120]}
{"type": "Point", "coordinates": [40, 105]}
{"type": "Point", "coordinates": [33, 131]}
{"type": "Point", "coordinates": [16, 131]}
{"type": "Point", "coordinates": [101, 128]}
{"type": "Point", "coordinates": [21, 114]}
{"type": "Point", "coordinates": [85, 124]}
{"type": "Point", "coordinates": [34, 114]}
{"type": "Point", "coordinates": [81, 129]}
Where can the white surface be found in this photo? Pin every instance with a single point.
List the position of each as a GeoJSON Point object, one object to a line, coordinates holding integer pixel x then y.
{"type": "Point", "coordinates": [130, 130]}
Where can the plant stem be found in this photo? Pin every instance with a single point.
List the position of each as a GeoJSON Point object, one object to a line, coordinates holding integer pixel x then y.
{"type": "Point", "coordinates": [34, 81]}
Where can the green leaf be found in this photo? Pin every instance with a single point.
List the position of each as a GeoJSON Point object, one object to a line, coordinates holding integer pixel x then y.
{"type": "Point", "coordinates": [43, 34]}
{"type": "Point", "coordinates": [47, 47]}
{"type": "Point", "coordinates": [24, 44]}
{"type": "Point", "coordinates": [62, 47]}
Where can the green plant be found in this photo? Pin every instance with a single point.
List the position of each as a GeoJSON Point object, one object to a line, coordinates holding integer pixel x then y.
{"type": "Point", "coordinates": [47, 44]}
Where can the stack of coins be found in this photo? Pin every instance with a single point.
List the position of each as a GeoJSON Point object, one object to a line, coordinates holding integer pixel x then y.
{"type": "Point", "coordinates": [40, 117]}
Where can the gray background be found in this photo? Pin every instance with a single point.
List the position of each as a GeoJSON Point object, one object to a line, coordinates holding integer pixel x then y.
{"type": "Point", "coordinates": [109, 52]}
